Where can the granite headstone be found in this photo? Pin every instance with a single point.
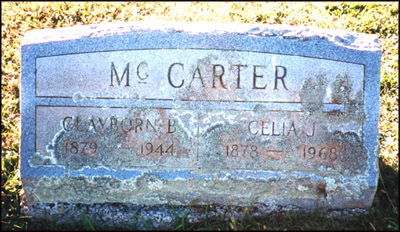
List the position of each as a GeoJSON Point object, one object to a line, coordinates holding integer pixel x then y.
{"type": "Point", "coordinates": [229, 114]}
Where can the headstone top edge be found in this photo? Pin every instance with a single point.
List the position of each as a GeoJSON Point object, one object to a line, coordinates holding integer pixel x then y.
{"type": "Point", "coordinates": [341, 38]}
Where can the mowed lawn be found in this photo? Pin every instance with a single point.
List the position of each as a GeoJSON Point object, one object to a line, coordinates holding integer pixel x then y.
{"type": "Point", "coordinates": [372, 18]}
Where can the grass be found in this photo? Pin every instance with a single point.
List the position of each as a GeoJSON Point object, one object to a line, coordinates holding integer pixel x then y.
{"type": "Point", "coordinates": [147, 225]}
{"type": "Point", "coordinates": [88, 223]}
{"type": "Point", "coordinates": [376, 18]}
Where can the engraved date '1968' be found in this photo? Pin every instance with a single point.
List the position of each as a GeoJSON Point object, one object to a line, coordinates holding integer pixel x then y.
{"type": "Point", "coordinates": [329, 153]}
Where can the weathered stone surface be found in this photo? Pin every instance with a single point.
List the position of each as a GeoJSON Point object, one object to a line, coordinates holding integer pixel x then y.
{"type": "Point", "coordinates": [231, 114]}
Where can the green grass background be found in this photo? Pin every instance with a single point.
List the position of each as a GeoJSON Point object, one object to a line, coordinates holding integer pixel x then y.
{"type": "Point", "coordinates": [372, 18]}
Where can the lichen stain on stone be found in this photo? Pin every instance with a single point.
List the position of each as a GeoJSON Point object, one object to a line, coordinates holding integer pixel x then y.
{"type": "Point", "coordinates": [341, 94]}
{"type": "Point", "coordinates": [83, 189]}
{"type": "Point", "coordinates": [347, 194]}
{"type": "Point", "coordinates": [312, 93]}
{"type": "Point", "coordinates": [353, 154]}
{"type": "Point", "coordinates": [339, 126]}
{"type": "Point", "coordinates": [39, 159]}
{"type": "Point", "coordinates": [151, 189]}
{"type": "Point", "coordinates": [212, 158]}
{"type": "Point", "coordinates": [150, 182]}
{"type": "Point", "coordinates": [341, 89]}
{"type": "Point", "coordinates": [78, 97]}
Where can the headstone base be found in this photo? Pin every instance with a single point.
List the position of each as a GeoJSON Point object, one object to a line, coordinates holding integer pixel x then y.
{"type": "Point", "coordinates": [122, 216]}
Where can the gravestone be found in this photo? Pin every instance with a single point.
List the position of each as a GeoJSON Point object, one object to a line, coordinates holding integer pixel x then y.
{"type": "Point", "coordinates": [197, 113]}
